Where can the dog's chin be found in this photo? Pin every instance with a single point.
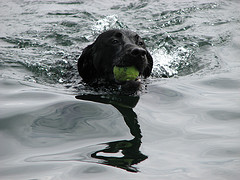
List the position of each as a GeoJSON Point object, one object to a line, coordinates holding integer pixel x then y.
{"type": "Point", "coordinates": [130, 87]}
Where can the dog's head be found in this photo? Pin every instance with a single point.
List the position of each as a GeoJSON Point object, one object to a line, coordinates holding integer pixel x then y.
{"type": "Point", "coordinates": [121, 48]}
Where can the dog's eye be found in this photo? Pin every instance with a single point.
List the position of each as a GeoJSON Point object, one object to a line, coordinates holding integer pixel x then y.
{"type": "Point", "coordinates": [115, 41]}
{"type": "Point", "coordinates": [140, 43]}
{"type": "Point", "coordinates": [118, 34]}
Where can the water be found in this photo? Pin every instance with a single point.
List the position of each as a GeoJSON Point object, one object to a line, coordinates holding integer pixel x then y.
{"type": "Point", "coordinates": [183, 125]}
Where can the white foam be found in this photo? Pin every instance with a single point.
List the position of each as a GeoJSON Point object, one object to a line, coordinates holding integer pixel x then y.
{"type": "Point", "coordinates": [167, 63]}
{"type": "Point", "coordinates": [105, 23]}
{"type": "Point", "coordinates": [162, 62]}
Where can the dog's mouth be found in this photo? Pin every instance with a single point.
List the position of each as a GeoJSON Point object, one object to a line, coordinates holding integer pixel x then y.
{"type": "Point", "coordinates": [128, 69]}
{"type": "Point", "coordinates": [138, 62]}
{"type": "Point", "coordinates": [123, 74]}
{"type": "Point", "coordinates": [128, 78]}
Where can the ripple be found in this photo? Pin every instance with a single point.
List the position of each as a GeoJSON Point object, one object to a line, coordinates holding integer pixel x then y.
{"type": "Point", "coordinates": [69, 23]}
{"type": "Point", "coordinates": [21, 42]}
{"type": "Point", "coordinates": [76, 118]}
{"type": "Point", "coordinates": [81, 154]}
{"type": "Point", "coordinates": [60, 39]}
{"type": "Point", "coordinates": [224, 152]}
{"type": "Point", "coordinates": [71, 3]}
{"type": "Point", "coordinates": [222, 83]}
{"type": "Point", "coordinates": [224, 115]}
{"type": "Point", "coordinates": [62, 122]}
{"type": "Point", "coordinates": [130, 6]}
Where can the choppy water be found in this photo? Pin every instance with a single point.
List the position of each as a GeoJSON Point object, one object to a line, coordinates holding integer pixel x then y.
{"type": "Point", "coordinates": [186, 126]}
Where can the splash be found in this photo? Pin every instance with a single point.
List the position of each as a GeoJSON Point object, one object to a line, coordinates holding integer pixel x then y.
{"type": "Point", "coordinates": [162, 64]}
{"type": "Point", "coordinates": [108, 22]}
{"type": "Point", "coordinates": [168, 64]}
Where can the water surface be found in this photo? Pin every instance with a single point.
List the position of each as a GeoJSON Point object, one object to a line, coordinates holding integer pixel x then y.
{"type": "Point", "coordinates": [185, 126]}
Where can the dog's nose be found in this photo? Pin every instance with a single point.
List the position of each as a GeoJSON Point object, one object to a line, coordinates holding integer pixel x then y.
{"type": "Point", "coordinates": [138, 52]}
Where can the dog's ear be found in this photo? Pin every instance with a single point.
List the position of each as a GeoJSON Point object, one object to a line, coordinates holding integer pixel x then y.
{"type": "Point", "coordinates": [147, 71]}
{"type": "Point", "coordinates": [85, 65]}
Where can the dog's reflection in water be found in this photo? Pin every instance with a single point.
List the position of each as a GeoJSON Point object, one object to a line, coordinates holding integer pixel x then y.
{"type": "Point", "coordinates": [129, 149]}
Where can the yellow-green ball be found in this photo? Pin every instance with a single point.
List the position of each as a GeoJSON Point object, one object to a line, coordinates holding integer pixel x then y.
{"type": "Point", "coordinates": [125, 73]}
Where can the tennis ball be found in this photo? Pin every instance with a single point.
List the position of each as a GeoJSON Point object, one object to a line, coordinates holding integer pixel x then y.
{"type": "Point", "coordinates": [125, 73]}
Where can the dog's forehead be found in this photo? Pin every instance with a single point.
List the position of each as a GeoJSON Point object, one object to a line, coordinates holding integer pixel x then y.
{"type": "Point", "coordinates": [132, 34]}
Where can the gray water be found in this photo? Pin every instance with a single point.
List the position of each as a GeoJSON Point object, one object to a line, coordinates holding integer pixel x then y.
{"type": "Point", "coordinates": [184, 127]}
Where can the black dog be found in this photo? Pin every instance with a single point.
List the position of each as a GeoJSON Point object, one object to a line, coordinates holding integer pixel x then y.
{"type": "Point", "coordinates": [114, 48]}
